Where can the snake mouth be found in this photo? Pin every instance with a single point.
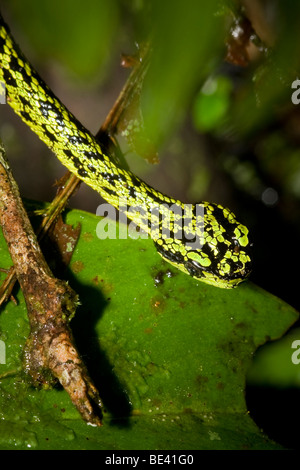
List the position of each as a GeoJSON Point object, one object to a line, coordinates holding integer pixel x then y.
{"type": "Point", "coordinates": [221, 275]}
{"type": "Point", "coordinates": [220, 271]}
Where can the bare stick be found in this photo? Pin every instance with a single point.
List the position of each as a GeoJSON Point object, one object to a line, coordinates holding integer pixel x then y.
{"type": "Point", "coordinates": [50, 353]}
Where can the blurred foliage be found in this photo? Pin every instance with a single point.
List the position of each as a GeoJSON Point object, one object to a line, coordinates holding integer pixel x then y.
{"type": "Point", "coordinates": [216, 102]}
{"type": "Point", "coordinates": [274, 365]}
{"type": "Point", "coordinates": [212, 103]}
{"type": "Point", "coordinates": [273, 389]}
{"type": "Point", "coordinates": [83, 36]}
{"type": "Point", "coordinates": [78, 34]}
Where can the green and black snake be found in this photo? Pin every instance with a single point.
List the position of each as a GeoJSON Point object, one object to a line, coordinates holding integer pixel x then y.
{"type": "Point", "coordinates": [204, 240]}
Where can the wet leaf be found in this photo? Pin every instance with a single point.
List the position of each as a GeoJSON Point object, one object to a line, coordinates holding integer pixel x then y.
{"type": "Point", "coordinates": [168, 354]}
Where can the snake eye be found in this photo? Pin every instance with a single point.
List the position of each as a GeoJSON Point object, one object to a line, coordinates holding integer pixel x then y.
{"type": "Point", "coordinates": [193, 267]}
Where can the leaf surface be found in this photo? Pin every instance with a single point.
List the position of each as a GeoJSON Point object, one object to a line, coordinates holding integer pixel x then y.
{"type": "Point", "coordinates": [169, 354]}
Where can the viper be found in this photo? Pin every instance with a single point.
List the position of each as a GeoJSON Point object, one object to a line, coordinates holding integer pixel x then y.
{"type": "Point", "coordinates": [204, 240]}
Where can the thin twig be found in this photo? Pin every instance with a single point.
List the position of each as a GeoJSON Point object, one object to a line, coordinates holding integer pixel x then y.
{"type": "Point", "coordinates": [127, 95]}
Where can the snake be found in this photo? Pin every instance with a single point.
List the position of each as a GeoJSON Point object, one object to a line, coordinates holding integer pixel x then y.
{"type": "Point", "coordinates": [203, 240]}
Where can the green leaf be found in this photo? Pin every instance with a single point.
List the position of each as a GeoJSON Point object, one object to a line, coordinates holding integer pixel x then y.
{"type": "Point", "coordinates": [80, 35]}
{"type": "Point", "coordinates": [277, 363]}
{"type": "Point", "coordinates": [212, 103]}
{"type": "Point", "coordinates": [187, 43]}
{"type": "Point", "coordinates": [168, 354]}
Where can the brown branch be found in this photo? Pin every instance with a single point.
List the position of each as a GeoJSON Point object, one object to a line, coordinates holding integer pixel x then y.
{"type": "Point", "coordinates": [66, 187]}
{"type": "Point", "coordinates": [49, 352]}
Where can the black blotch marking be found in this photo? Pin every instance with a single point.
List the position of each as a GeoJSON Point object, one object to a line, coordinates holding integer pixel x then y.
{"type": "Point", "coordinates": [50, 136]}
{"type": "Point", "coordinates": [45, 108]}
{"type": "Point", "coordinates": [169, 255]}
{"type": "Point", "coordinates": [82, 172]}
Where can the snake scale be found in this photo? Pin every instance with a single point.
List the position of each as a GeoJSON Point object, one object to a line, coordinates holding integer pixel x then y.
{"type": "Point", "coordinates": [204, 240]}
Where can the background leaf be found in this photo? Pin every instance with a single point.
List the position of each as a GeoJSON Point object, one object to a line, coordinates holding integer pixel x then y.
{"type": "Point", "coordinates": [69, 37]}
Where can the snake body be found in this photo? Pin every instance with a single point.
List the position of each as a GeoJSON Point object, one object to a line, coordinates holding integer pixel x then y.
{"type": "Point", "coordinates": [221, 256]}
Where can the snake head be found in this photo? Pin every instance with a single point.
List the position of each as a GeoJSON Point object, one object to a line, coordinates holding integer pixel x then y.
{"type": "Point", "coordinates": [223, 266]}
{"type": "Point", "coordinates": [224, 259]}
{"type": "Point", "coordinates": [220, 255]}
